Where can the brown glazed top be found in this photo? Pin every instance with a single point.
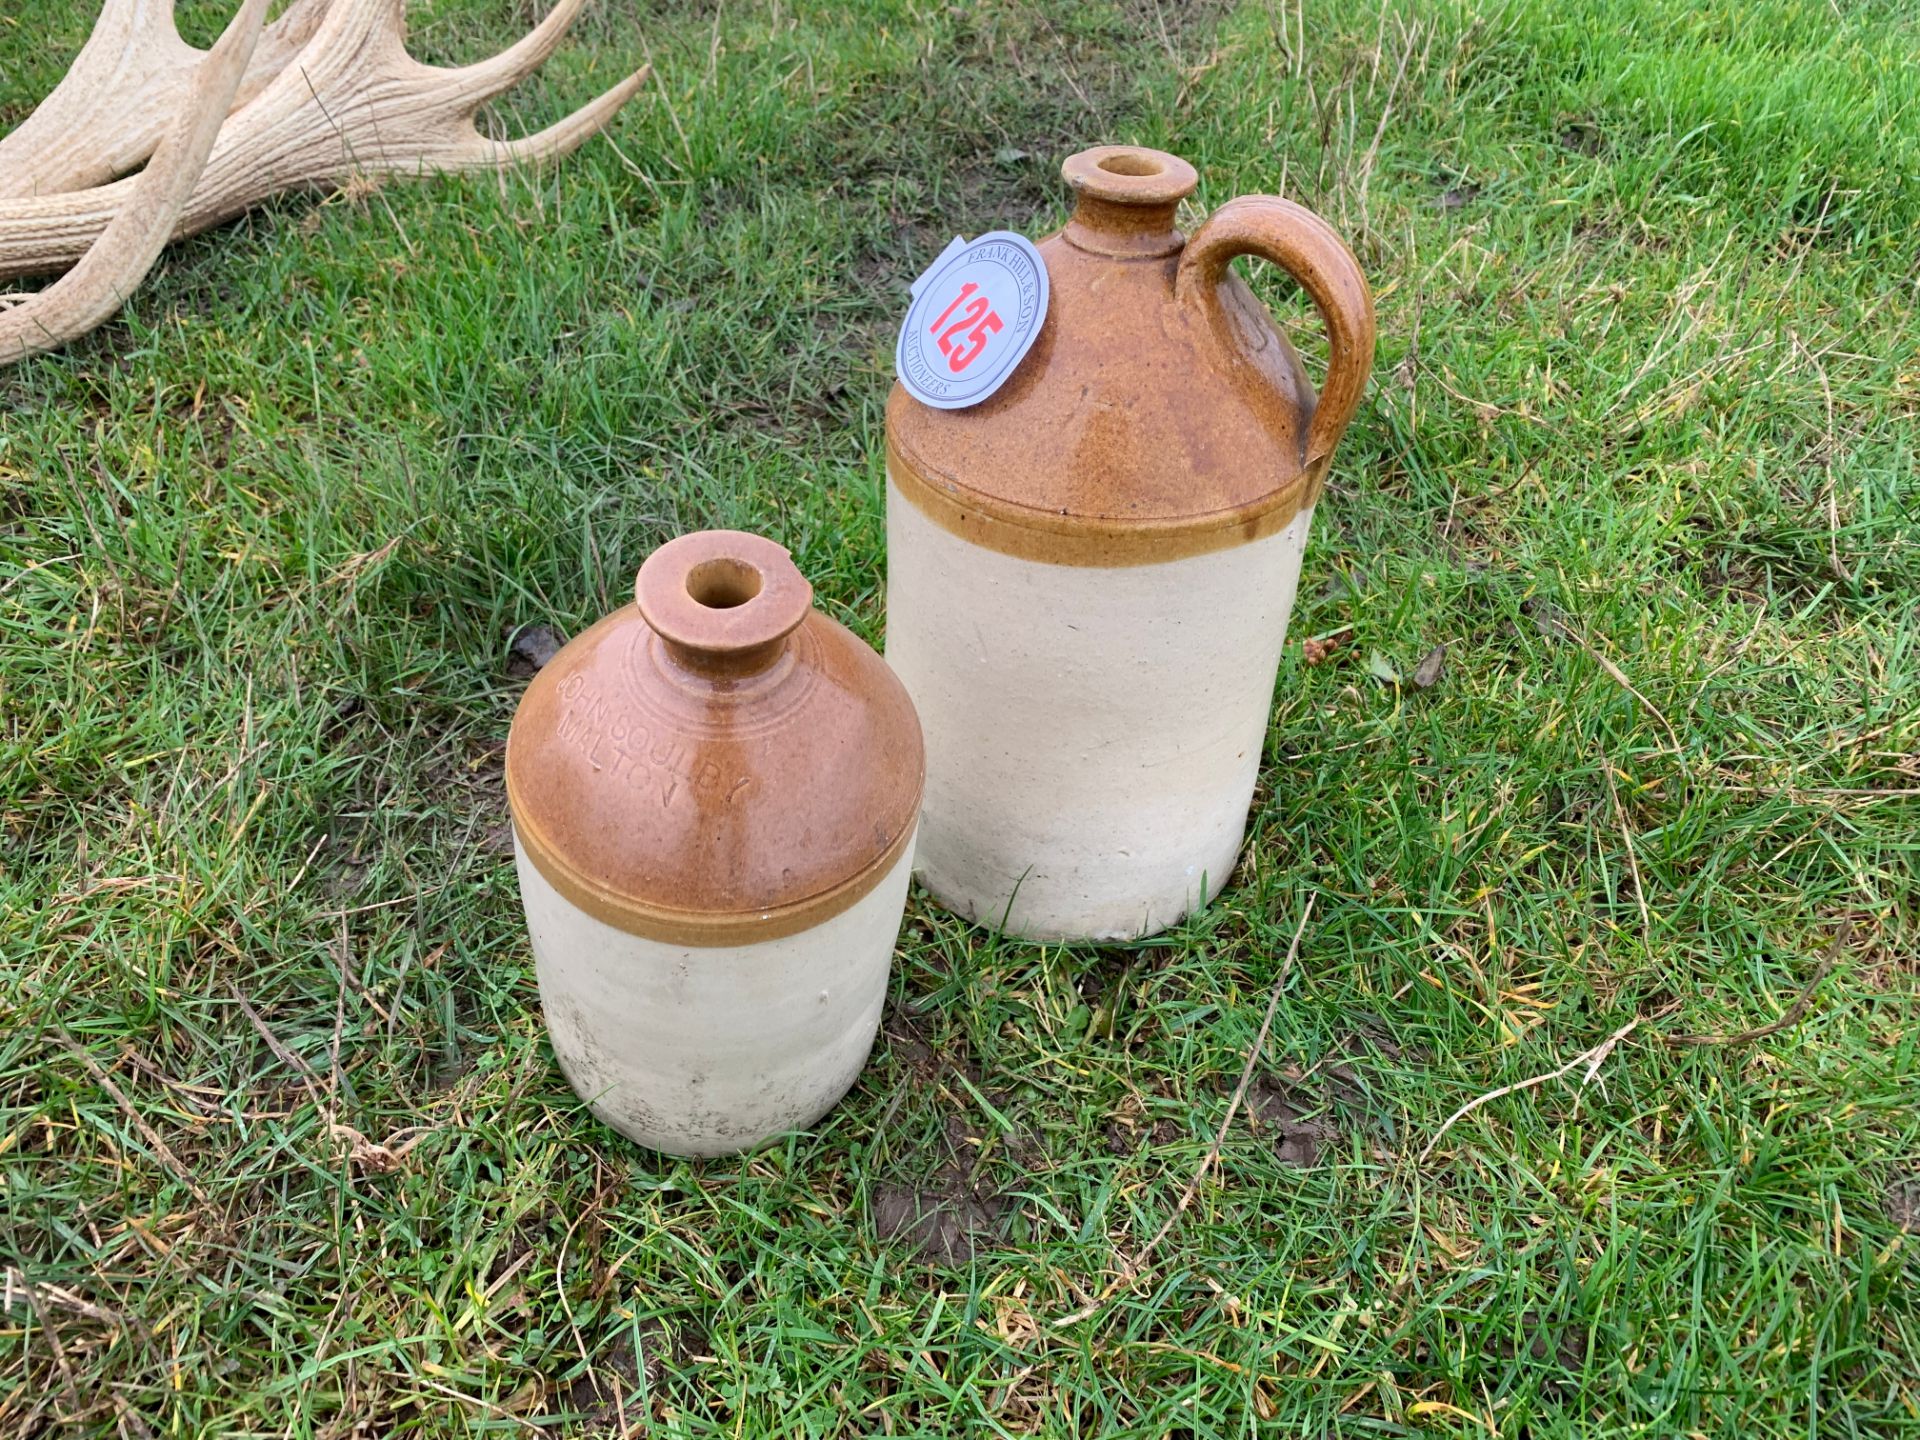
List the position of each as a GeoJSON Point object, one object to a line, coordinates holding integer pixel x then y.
{"type": "Point", "coordinates": [718, 763]}
{"type": "Point", "coordinates": [1160, 413]}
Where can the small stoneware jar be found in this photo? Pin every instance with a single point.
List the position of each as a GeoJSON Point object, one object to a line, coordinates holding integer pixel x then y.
{"type": "Point", "coordinates": [1090, 572]}
{"type": "Point", "coordinates": [714, 793]}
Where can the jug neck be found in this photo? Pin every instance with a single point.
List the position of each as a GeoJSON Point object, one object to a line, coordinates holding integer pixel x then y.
{"type": "Point", "coordinates": [1128, 197]}
{"type": "Point", "coordinates": [723, 602]}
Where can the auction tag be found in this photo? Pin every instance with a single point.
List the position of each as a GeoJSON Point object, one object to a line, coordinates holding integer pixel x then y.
{"type": "Point", "coordinates": [976, 312]}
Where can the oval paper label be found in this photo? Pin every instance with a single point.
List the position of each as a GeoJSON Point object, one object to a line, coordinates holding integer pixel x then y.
{"type": "Point", "coordinates": [976, 312]}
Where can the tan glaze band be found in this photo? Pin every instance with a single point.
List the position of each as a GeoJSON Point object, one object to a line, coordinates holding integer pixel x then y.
{"type": "Point", "coordinates": [1029, 534]}
{"type": "Point", "coordinates": [698, 928]}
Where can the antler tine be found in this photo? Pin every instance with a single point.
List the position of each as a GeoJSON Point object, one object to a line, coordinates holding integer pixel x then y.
{"type": "Point", "coordinates": [487, 78]}
{"type": "Point", "coordinates": [353, 103]}
{"type": "Point", "coordinates": [279, 43]}
{"type": "Point", "coordinates": [563, 136]}
{"type": "Point", "coordinates": [134, 50]}
{"type": "Point", "coordinates": [119, 259]}
{"type": "Point", "coordinates": [108, 113]}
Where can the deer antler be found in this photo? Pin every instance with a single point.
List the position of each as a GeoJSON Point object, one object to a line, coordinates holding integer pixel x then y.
{"type": "Point", "coordinates": [352, 102]}
{"type": "Point", "coordinates": [126, 249]}
{"type": "Point", "coordinates": [104, 119]}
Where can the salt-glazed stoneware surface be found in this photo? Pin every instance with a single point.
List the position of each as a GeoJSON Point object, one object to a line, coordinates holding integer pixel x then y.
{"type": "Point", "coordinates": [1090, 573]}
{"type": "Point", "coordinates": [714, 794]}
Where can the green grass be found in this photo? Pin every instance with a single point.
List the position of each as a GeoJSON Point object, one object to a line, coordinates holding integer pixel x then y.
{"type": "Point", "coordinates": [1647, 395]}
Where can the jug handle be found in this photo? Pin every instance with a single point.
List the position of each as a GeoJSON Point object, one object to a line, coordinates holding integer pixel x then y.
{"type": "Point", "coordinates": [1308, 249]}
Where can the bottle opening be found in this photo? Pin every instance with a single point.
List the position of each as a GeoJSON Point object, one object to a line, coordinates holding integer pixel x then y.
{"type": "Point", "coordinates": [1128, 196]}
{"type": "Point", "coordinates": [723, 601]}
{"type": "Point", "coordinates": [722, 583]}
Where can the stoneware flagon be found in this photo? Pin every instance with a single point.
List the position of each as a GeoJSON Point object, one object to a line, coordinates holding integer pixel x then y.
{"type": "Point", "coordinates": [1090, 573]}
{"type": "Point", "coordinates": [714, 793]}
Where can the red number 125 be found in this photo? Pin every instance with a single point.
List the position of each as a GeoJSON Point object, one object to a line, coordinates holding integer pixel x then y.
{"type": "Point", "coordinates": [978, 314]}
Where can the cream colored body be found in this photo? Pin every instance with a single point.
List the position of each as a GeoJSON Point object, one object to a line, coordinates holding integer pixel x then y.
{"type": "Point", "coordinates": [1093, 734]}
{"type": "Point", "coordinates": [711, 1050]}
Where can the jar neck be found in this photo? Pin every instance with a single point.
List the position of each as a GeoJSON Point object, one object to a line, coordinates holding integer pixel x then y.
{"type": "Point", "coordinates": [1124, 229]}
{"type": "Point", "coordinates": [723, 604]}
{"type": "Point", "coordinates": [725, 665]}
{"type": "Point", "coordinates": [1127, 197]}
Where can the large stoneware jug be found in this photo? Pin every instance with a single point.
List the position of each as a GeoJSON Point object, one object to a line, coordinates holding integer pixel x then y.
{"type": "Point", "coordinates": [714, 793]}
{"type": "Point", "coordinates": [1090, 572]}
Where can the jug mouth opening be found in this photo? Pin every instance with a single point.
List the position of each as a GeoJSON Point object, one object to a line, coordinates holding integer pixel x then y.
{"type": "Point", "coordinates": [723, 583]}
{"type": "Point", "coordinates": [723, 601]}
{"type": "Point", "coordinates": [1130, 175]}
{"type": "Point", "coordinates": [1128, 196]}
